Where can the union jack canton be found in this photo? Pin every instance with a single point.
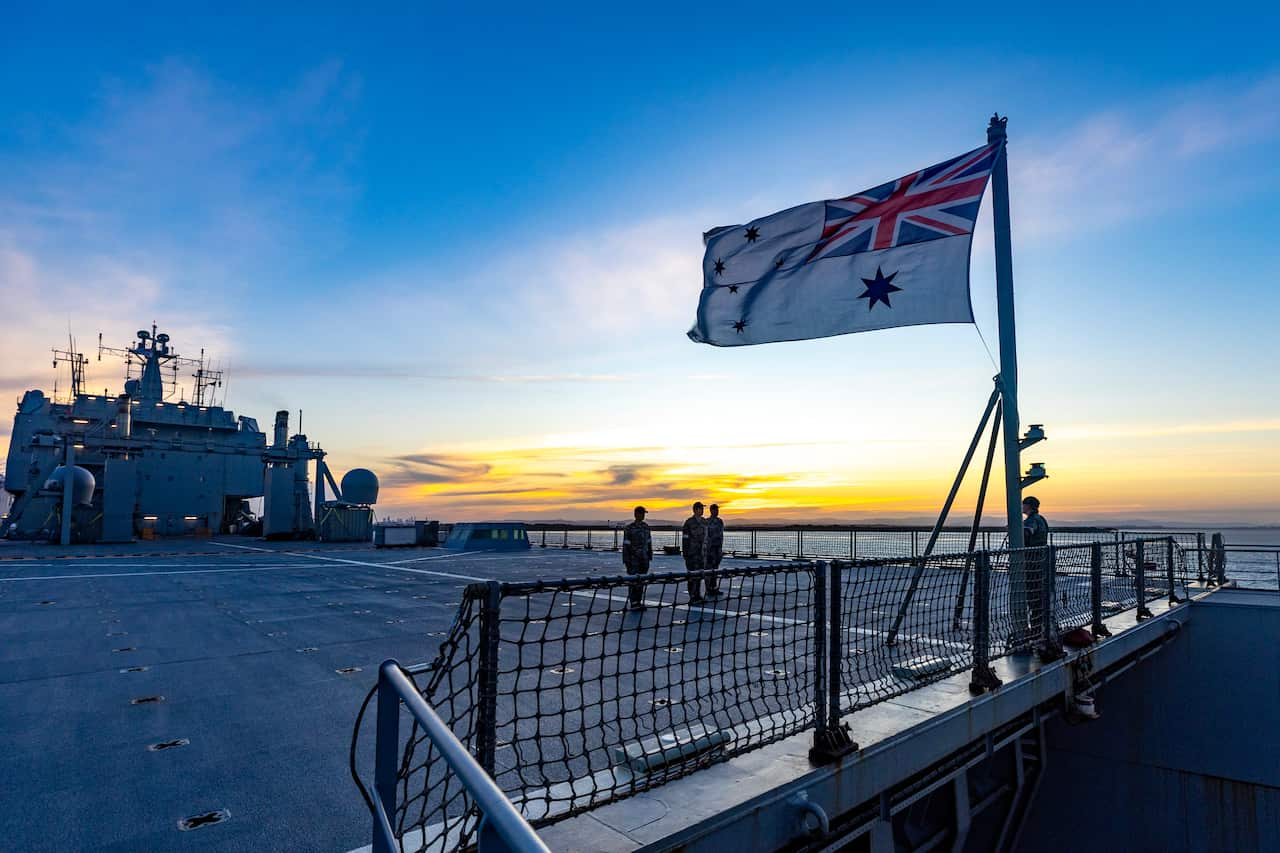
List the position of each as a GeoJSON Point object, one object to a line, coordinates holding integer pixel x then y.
{"type": "Point", "coordinates": [940, 201]}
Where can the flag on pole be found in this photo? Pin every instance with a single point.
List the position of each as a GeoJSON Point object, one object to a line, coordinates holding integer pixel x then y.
{"type": "Point", "coordinates": [894, 255]}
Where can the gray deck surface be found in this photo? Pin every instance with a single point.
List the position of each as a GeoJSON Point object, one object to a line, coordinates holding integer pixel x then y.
{"type": "Point", "coordinates": [243, 639]}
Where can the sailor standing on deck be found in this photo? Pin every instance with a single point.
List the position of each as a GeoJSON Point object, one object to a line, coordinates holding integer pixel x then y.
{"type": "Point", "coordinates": [693, 545]}
{"type": "Point", "coordinates": [715, 549]}
{"type": "Point", "coordinates": [1035, 530]}
{"type": "Point", "coordinates": [1035, 535]}
{"type": "Point", "coordinates": [637, 553]}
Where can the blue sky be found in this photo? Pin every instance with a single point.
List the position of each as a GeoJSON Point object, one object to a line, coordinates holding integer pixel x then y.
{"type": "Point", "coordinates": [474, 239]}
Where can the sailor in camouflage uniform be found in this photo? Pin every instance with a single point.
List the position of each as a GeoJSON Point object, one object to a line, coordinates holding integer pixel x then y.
{"type": "Point", "coordinates": [637, 553]}
{"type": "Point", "coordinates": [693, 545]}
{"type": "Point", "coordinates": [1035, 534]}
{"type": "Point", "coordinates": [715, 549]}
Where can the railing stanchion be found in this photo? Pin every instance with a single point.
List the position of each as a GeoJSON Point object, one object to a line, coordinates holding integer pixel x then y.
{"type": "Point", "coordinates": [386, 756]}
{"type": "Point", "coordinates": [1219, 559]}
{"type": "Point", "coordinates": [800, 544]}
{"type": "Point", "coordinates": [1050, 642]}
{"type": "Point", "coordinates": [853, 544]}
{"type": "Point", "coordinates": [1140, 578]}
{"type": "Point", "coordinates": [835, 643]}
{"type": "Point", "coordinates": [487, 677]}
{"type": "Point", "coordinates": [1169, 554]}
{"type": "Point", "coordinates": [983, 678]}
{"type": "Point", "coordinates": [588, 545]}
{"type": "Point", "coordinates": [836, 741]}
{"type": "Point", "coordinates": [754, 552]}
{"type": "Point", "coordinates": [1099, 627]}
{"type": "Point", "coordinates": [1200, 557]}
{"type": "Point", "coordinates": [820, 590]}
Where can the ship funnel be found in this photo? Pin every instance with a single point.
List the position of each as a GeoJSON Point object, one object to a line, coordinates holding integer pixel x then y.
{"type": "Point", "coordinates": [282, 428]}
{"type": "Point", "coordinates": [124, 417]}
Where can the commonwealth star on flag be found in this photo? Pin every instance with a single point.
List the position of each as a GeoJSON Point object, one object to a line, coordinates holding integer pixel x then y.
{"type": "Point", "coordinates": [893, 255]}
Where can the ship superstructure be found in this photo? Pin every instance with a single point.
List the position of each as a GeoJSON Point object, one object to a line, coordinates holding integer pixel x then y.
{"type": "Point", "coordinates": [143, 465]}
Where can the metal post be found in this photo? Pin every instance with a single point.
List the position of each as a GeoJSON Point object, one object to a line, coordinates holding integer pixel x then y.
{"type": "Point", "coordinates": [754, 552]}
{"type": "Point", "coordinates": [1200, 557]}
{"type": "Point", "coordinates": [800, 543]}
{"type": "Point", "coordinates": [1099, 627]}
{"type": "Point", "coordinates": [835, 646]}
{"type": "Point", "coordinates": [68, 492]}
{"type": "Point", "coordinates": [386, 754]}
{"type": "Point", "coordinates": [853, 544]}
{"type": "Point", "coordinates": [487, 677]}
{"type": "Point", "coordinates": [1008, 370]}
{"type": "Point", "coordinates": [822, 719]}
{"type": "Point", "coordinates": [615, 538]}
{"type": "Point", "coordinates": [1168, 568]}
{"type": "Point", "coordinates": [831, 740]}
{"type": "Point", "coordinates": [588, 545]}
{"type": "Point", "coordinates": [983, 678]}
{"type": "Point", "coordinates": [1220, 558]}
{"type": "Point", "coordinates": [1050, 642]}
{"type": "Point", "coordinates": [544, 537]}
{"type": "Point", "coordinates": [1140, 579]}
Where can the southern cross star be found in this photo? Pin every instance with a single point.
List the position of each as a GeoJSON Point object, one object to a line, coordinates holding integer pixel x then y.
{"type": "Point", "coordinates": [733, 288]}
{"type": "Point", "coordinates": [739, 326]}
{"type": "Point", "coordinates": [878, 289]}
{"type": "Point", "coordinates": [753, 234]}
{"type": "Point", "coordinates": [719, 266]}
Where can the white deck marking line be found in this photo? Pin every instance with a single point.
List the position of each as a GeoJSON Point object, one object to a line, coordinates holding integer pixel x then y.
{"type": "Point", "coordinates": [146, 574]}
{"type": "Point", "coordinates": [396, 568]}
{"type": "Point", "coordinates": [391, 566]}
{"type": "Point", "coordinates": [247, 547]}
{"type": "Point", "coordinates": [432, 557]}
{"type": "Point", "coordinates": [62, 564]}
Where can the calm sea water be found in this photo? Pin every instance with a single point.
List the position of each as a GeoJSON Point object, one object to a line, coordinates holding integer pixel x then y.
{"type": "Point", "coordinates": [1259, 568]}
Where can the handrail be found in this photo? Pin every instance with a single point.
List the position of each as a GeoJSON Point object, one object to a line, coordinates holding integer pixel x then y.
{"type": "Point", "coordinates": [1022, 601]}
{"type": "Point", "coordinates": [500, 822]}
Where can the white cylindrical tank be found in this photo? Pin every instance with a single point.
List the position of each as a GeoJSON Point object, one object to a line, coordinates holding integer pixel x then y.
{"type": "Point", "coordinates": [82, 483]}
{"type": "Point", "coordinates": [360, 486]}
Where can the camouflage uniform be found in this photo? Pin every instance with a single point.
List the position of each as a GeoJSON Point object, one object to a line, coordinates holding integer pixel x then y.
{"type": "Point", "coordinates": [637, 553]}
{"type": "Point", "coordinates": [714, 551]}
{"type": "Point", "coordinates": [1035, 535]}
{"type": "Point", "coordinates": [1035, 531]}
{"type": "Point", "coordinates": [693, 545]}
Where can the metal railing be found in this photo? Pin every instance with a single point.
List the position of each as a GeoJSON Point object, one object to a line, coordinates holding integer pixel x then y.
{"type": "Point", "coordinates": [1247, 566]}
{"type": "Point", "coordinates": [846, 542]}
{"type": "Point", "coordinates": [576, 693]}
{"type": "Point", "coordinates": [500, 828]}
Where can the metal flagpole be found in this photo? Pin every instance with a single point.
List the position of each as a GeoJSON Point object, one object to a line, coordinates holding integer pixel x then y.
{"type": "Point", "coordinates": [1008, 337]}
{"type": "Point", "coordinates": [1008, 369]}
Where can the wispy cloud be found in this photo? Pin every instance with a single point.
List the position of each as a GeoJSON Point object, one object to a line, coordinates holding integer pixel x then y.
{"type": "Point", "coordinates": [1122, 163]}
{"type": "Point", "coordinates": [422, 469]}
